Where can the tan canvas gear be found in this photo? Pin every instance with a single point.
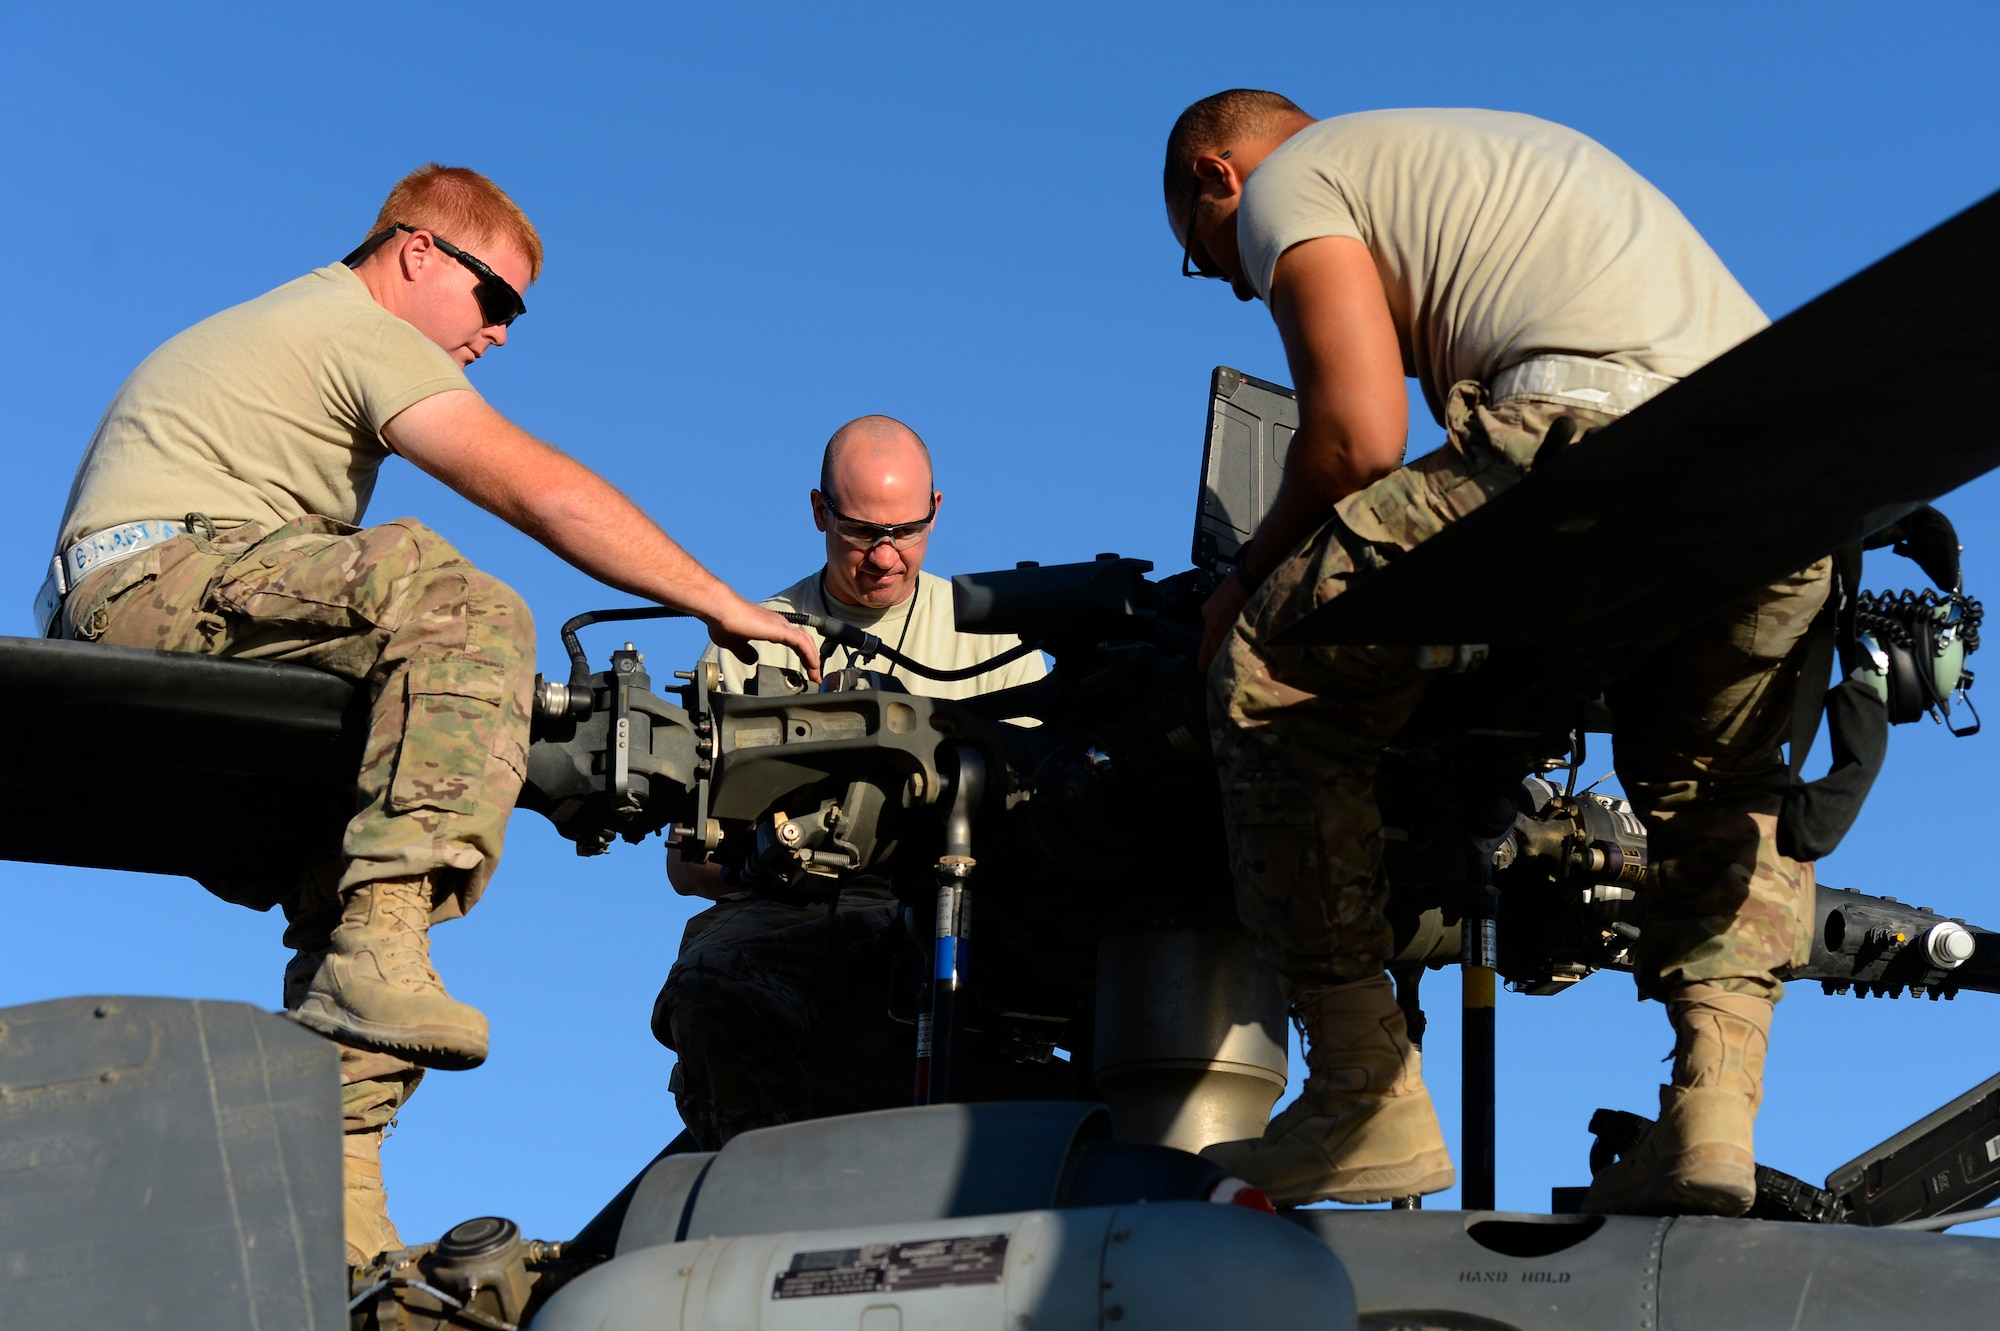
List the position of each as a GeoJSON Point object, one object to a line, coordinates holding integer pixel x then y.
{"type": "Point", "coordinates": [375, 988]}
{"type": "Point", "coordinates": [1700, 1157]}
{"type": "Point", "coordinates": [1364, 1128]}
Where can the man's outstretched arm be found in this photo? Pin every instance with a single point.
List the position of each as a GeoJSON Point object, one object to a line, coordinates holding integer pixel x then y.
{"type": "Point", "coordinates": [1354, 414]}
{"type": "Point", "coordinates": [582, 517]}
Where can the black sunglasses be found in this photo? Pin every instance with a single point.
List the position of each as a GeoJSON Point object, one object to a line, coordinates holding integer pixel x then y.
{"type": "Point", "coordinates": [867, 535]}
{"type": "Point", "coordinates": [499, 303]}
{"type": "Point", "coordinates": [1190, 266]}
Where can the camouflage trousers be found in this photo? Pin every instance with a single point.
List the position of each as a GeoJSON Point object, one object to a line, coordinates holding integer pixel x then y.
{"type": "Point", "coordinates": [781, 1013]}
{"type": "Point", "coordinates": [444, 651]}
{"type": "Point", "coordinates": [765, 996]}
{"type": "Point", "coordinates": [374, 1087]}
{"type": "Point", "coordinates": [1299, 733]}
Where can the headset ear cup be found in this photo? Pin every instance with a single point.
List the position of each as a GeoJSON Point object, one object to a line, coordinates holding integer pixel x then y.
{"type": "Point", "coordinates": [1909, 695]}
{"type": "Point", "coordinates": [1932, 660]}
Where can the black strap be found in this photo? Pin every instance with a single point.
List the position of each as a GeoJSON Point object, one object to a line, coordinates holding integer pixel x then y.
{"type": "Point", "coordinates": [1561, 434]}
{"type": "Point", "coordinates": [1809, 699]}
{"type": "Point", "coordinates": [1817, 814]}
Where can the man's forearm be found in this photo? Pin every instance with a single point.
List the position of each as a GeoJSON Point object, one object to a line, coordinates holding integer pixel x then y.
{"type": "Point", "coordinates": [588, 522]}
{"type": "Point", "coordinates": [1340, 340]}
{"type": "Point", "coordinates": [579, 515]}
{"type": "Point", "coordinates": [1317, 476]}
{"type": "Point", "coordinates": [544, 492]}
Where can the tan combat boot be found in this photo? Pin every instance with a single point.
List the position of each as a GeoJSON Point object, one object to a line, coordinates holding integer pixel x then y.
{"type": "Point", "coordinates": [1363, 1129]}
{"type": "Point", "coordinates": [299, 972]}
{"type": "Point", "coordinates": [376, 989]}
{"type": "Point", "coordinates": [373, 1087]}
{"type": "Point", "coordinates": [370, 1232]}
{"type": "Point", "coordinates": [1699, 1158]}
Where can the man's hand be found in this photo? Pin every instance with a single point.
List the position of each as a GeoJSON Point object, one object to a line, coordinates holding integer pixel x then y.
{"type": "Point", "coordinates": [1219, 614]}
{"type": "Point", "coordinates": [695, 880]}
{"type": "Point", "coordinates": [456, 437]}
{"type": "Point", "coordinates": [746, 623]}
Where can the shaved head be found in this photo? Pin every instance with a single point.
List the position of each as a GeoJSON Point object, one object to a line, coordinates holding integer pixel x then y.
{"type": "Point", "coordinates": [875, 475]}
{"type": "Point", "coordinates": [869, 441]}
{"type": "Point", "coordinates": [1214, 123]}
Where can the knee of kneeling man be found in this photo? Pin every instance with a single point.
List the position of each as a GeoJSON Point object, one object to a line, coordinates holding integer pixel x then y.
{"type": "Point", "coordinates": [425, 548]}
{"type": "Point", "coordinates": [688, 990]}
{"type": "Point", "coordinates": [498, 605]}
{"type": "Point", "coordinates": [505, 602]}
{"type": "Point", "coordinates": [429, 551]}
{"type": "Point", "coordinates": [663, 1018]}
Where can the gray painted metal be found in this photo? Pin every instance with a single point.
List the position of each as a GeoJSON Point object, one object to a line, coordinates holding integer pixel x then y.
{"type": "Point", "coordinates": [1829, 1277]}
{"type": "Point", "coordinates": [1434, 1261]}
{"type": "Point", "coordinates": [1190, 1046]}
{"type": "Point", "coordinates": [888, 1167]}
{"type": "Point", "coordinates": [1495, 1270]}
{"type": "Point", "coordinates": [1164, 1267]}
{"type": "Point", "coordinates": [168, 1164]}
{"type": "Point", "coordinates": [659, 1208]}
{"type": "Point", "coordinates": [1250, 427]}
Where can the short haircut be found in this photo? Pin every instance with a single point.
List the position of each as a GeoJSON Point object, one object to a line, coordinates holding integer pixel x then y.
{"type": "Point", "coordinates": [462, 206]}
{"type": "Point", "coordinates": [869, 425]}
{"type": "Point", "coordinates": [1210, 123]}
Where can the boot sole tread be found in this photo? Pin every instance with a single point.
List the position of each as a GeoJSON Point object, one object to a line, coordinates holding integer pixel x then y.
{"type": "Point", "coordinates": [1428, 1173]}
{"type": "Point", "coordinates": [443, 1048]}
{"type": "Point", "coordinates": [1731, 1195]}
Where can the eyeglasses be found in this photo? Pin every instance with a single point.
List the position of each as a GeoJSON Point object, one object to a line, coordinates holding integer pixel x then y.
{"type": "Point", "coordinates": [867, 535]}
{"type": "Point", "coordinates": [499, 303]}
{"type": "Point", "coordinates": [1191, 266]}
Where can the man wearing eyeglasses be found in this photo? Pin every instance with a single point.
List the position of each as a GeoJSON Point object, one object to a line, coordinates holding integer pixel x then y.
{"type": "Point", "coordinates": [1530, 281]}
{"type": "Point", "coordinates": [778, 1009]}
{"type": "Point", "coordinates": [216, 511]}
{"type": "Point", "coordinates": [876, 506]}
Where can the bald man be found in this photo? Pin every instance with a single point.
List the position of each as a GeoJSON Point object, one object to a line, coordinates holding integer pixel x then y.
{"type": "Point", "coordinates": [877, 505]}
{"type": "Point", "coordinates": [779, 1011]}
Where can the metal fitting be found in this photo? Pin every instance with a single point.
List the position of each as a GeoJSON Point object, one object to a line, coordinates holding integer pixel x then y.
{"type": "Point", "coordinates": [1949, 945]}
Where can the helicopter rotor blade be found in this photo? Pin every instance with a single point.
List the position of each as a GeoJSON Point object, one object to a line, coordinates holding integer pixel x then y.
{"type": "Point", "coordinates": [1805, 438]}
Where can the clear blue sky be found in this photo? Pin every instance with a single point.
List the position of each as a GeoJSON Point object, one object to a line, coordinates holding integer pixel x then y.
{"type": "Point", "coordinates": [764, 220]}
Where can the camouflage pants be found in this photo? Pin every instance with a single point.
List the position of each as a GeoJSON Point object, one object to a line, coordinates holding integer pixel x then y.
{"type": "Point", "coordinates": [1299, 733]}
{"type": "Point", "coordinates": [781, 1013]}
{"type": "Point", "coordinates": [373, 1088]}
{"type": "Point", "coordinates": [444, 651]}
{"type": "Point", "coordinates": [759, 988]}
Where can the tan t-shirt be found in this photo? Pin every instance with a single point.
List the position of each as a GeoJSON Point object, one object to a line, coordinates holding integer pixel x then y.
{"type": "Point", "coordinates": [932, 637]}
{"type": "Point", "coordinates": [1499, 237]}
{"type": "Point", "coordinates": [263, 413]}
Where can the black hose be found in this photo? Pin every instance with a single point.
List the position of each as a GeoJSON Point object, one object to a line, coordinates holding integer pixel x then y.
{"type": "Point", "coordinates": [579, 664]}
{"type": "Point", "coordinates": [861, 643]}
{"type": "Point", "coordinates": [857, 641]}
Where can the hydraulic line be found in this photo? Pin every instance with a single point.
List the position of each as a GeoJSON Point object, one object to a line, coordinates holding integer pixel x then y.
{"type": "Point", "coordinates": [863, 644]}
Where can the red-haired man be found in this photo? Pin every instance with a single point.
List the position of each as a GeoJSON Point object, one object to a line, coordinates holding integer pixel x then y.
{"type": "Point", "coordinates": [217, 511]}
